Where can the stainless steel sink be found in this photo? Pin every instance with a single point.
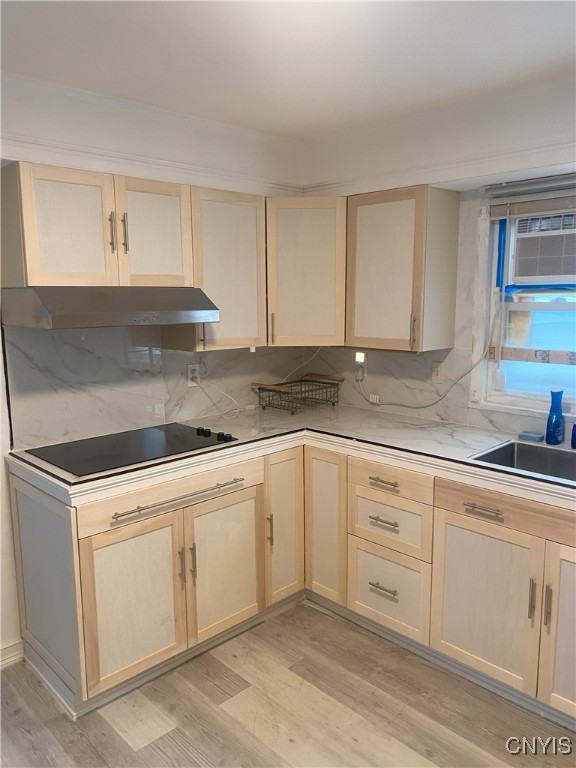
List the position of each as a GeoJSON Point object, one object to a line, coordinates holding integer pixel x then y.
{"type": "Point", "coordinates": [528, 457]}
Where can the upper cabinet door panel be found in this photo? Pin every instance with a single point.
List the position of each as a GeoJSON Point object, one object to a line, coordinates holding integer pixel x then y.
{"type": "Point", "coordinates": [385, 264]}
{"type": "Point", "coordinates": [68, 226]}
{"type": "Point", "coordinates": [154, 232]}
{"type": "Point", "coordinates": [306, 270]}
{"type": "Point", "coordinates": [401, 273]}
{"type": "Point", "coordinates": [230, 265]}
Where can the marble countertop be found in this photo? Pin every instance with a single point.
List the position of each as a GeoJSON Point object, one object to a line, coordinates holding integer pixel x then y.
{"type": "Point", "coordinates": [434, 439]}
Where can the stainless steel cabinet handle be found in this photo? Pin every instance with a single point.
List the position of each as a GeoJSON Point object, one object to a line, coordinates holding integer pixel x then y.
{"type": "Point", "coordinates": [139, 510]}
{"type": "Point", "coordinates": [547, 604]}
{"type": "Point", "coordinates": [126, 243]}
{"type": "Point", "coordinates": [271, 537]}
{"type": "Point", "coordinates": [203, 339]}
{"type": "Point", "coordinates": [531, 598]}
{"type": "Point", "coordinates": [477, 509]}
{"type": "Point", "coordinates": [273, 326]}
{"type": "Point", "coordinates": [194, 569]}
{"type": "Point", "coordinates": [412, 324]}
{"type": "Point", "coordinates": [381, 520]}
{"type": "Point", "coordinates": [390, 483]}
{"type": "Point", "coordinates": [182, 570]}
{"type": "Point", "coordinates": [377, 585]}
{"type": "Point", "coordinates": [112, 220]}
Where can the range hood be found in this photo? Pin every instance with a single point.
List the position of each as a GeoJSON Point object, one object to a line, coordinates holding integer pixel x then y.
{"type": "Point", "coordinates": [104, 306]}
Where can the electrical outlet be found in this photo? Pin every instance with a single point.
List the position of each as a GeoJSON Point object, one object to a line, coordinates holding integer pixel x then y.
{"type": "Point", "coordinates": [193, 372]}
{"type": "Point", "coordinates": [374, 399]}
{"type": "Point", "coordinates": [437, 373]}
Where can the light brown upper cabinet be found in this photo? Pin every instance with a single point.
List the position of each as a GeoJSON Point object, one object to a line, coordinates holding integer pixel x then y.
{"type": "Point", "coordinates": [153, 232]}
{"type": "Point", "coordinates": [230, 265]}
{"type": "Point", "coordinates": [68, 227]}
{"type": "Point", "coordinates": [402, 261]}
{"type": "Point", "coordinates": [306, 238]}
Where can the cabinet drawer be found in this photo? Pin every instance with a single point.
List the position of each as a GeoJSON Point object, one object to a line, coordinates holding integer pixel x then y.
{"type": "Point", "coordinates": [400, 524]}
{"type": "Point", "coordinates": [391, 480]}
{"type": "Point", "coordinates": [115, 511]}
{"type": "Point", "coordinates": [389, 588]}
{"type": "Point", "coordinates": [543, 520]}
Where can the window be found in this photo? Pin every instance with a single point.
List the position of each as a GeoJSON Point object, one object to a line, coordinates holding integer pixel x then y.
{"type": "Point", "coordinates": [532, 334]}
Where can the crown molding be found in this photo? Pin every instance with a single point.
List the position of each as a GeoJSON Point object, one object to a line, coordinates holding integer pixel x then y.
{"type": "Point", "coordinates": [467, 174]}
{"type": "Point", "coordinates": [24, 148]}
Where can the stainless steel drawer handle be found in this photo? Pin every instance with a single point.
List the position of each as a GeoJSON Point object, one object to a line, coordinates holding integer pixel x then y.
{"type": "Point", "coordinates": [531, 598]}
{"type": "Point", "coordinates": [140, 509]}
{"type": "Point", "coordinates": [378, 586]}
{"type": "Point", "coordinates": [477, 509]}
{"type": "Point", "coordinates": [273, 326]}
{"type": "Point", "coordinates": [392, 524]}
{"type": "Point", "coordinates": [547, 605]}
{"type": "Point", "coordinates": [390, 483]}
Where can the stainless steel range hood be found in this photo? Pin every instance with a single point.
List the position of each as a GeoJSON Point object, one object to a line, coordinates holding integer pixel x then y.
{"type": "Point", "coordinates": [104, 306]}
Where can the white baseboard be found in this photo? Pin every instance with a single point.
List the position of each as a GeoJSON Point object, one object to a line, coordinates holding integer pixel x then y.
{"type": "Point", "coordinates": [10, 654]}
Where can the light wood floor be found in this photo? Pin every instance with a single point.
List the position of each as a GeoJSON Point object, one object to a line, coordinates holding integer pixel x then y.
{"type": "Point", "coordinates": [305, 688]}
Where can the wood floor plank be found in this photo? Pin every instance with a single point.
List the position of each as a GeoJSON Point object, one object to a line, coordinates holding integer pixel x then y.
{"type": "Point", "coordinates": [49, 712]}
{"type": "Point", "coordinates": [431, 740]}
{"type": "Point", "coordinates": [26, 742]}
{"type": "Point", "coordinates": [485, 719]}
{"type": "Point", "coordinates": [216, 681]}
{"type": "Point", "coordinates": [329, 719]}
{"type": "Point", "coordinates": [109, 743]}
{"type": "Point", "coordinates": [286, 734]}
{"type": "Point", "coordinates": [215, 734]}
{"type": "Point", "coordinates": [174, 750]}
{"type": "Point", "coordinates": [136, 719]}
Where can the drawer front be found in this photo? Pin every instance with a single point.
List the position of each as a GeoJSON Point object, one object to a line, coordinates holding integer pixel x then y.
{"type": "Point", "coordinates": [400, 524]}
{"type": "Point", "coordinates": [535, 518]}
{"type": "Point", "coordinates": [389, 588]}
{"type": "Point", "coordinates": [391, 480]}
{"type": "Point", "coordinates": [126, 508]}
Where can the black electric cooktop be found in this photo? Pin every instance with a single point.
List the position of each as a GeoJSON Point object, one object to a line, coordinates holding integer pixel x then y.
{"type": "Point", "coordinates": [99, 454]}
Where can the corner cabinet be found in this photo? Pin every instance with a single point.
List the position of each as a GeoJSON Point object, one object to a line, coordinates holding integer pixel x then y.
{"type": "Point", "coordinates": [401, 269]}
{"type": "Point", "coordinates": [306, 241]}
{"type": "Point", "coordinates": [69, 227]}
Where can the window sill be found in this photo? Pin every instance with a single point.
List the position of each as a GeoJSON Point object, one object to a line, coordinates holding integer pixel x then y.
{"type": "Point", "coordinates": [515, 410]}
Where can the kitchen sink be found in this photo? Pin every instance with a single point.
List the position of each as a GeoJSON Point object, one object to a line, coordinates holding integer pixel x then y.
{"type": "Point", "coordinates": [531, 458]}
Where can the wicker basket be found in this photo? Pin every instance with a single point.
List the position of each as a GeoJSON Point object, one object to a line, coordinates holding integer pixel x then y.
{"type": "Point", "coordinates": [312, 389]}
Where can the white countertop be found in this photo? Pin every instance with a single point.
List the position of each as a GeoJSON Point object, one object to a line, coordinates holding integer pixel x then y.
{"type": "Point", "coordinates": [437, 441]}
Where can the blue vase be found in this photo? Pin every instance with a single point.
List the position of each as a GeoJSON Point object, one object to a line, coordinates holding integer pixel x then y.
{"type": "Point", "coordinates": [555, 425]}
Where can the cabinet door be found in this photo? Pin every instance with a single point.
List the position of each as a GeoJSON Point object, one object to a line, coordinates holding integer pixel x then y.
{"type": "Point", "coordinates": [285, 521]}
{"type": "Point", "coordinates": [230, 265]}
{"type": "Point", "coordinates": [486, 597]}
{"type": "Point", "coordinates": [68, 224]}
{"type": "Point", "coordinates": [557, 674]}
{"type": "Point", "coordinates": [306, 240]}
{"type": "Point", "coordinates": [154, 232]}
{"type": "Point", "coordinates": [386, 240]}
{"type": "Point", "coordinates": [133, 598]}
{"type": "Point", "coordinates": [389, 588]}
{"type": "Point", "coordinates": [229, 576]}
{"type": "Point", "coordinates": [325, 507]}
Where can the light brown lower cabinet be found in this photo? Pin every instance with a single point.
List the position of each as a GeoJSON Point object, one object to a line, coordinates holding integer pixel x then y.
{"type": "Point", "coordinates": [557, 671]}
{"type": "Point", "coordinates": [390, 588]}
{"type": "Point", "coordinates": [487, 597]}
{"type": "Point", "coordinates": [284, 484]}
{"type": "Point", "coordinates": [153, 588]}
{"type": "Point", "coordinates": [326, 535]}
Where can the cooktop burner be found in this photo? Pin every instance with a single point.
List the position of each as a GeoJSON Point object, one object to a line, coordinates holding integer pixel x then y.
{"type": "Point", "coordinates": [99, 454]}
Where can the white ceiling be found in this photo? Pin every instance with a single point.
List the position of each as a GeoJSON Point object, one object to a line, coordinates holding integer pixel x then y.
{"type": "Point", "coordinates": [294, 68]}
